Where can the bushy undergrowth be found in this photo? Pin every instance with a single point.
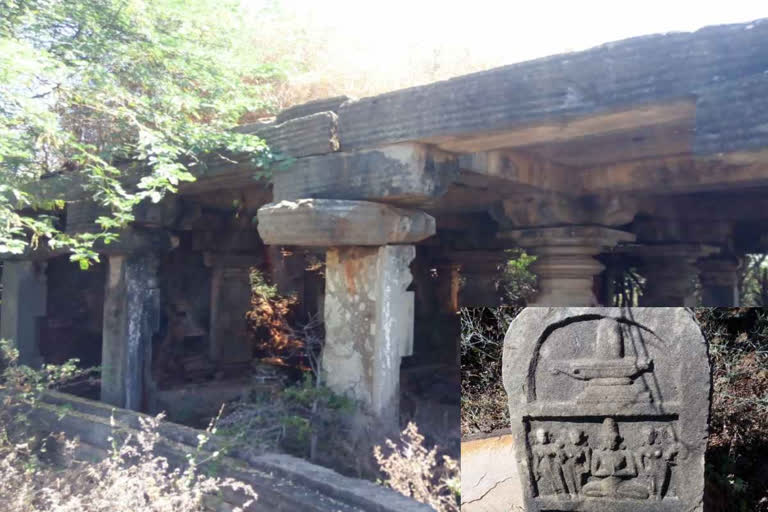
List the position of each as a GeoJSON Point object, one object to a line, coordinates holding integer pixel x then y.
{"type": "Point", "coordinates": [413, 470]}
{"type": "Point", "coordinates": [483, 400]}
{"type": "Point", "coordinates": [39, 471]}
{"type": "Point", "coordinates": [737, 459]}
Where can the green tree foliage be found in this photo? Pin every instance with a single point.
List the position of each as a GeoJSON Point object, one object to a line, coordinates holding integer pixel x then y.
{"type": "Point", "coordinates": [125, 99]}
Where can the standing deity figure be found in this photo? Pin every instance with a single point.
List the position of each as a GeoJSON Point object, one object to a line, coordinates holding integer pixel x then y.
{"type": "Point", "coordinates": [547, 464]}
{"type": "Point", "coordinates": [613, 467]}
{"type": "Point", "coordinates": [576, 463]}
{"type": "Point", "coordinates": [651, 462]}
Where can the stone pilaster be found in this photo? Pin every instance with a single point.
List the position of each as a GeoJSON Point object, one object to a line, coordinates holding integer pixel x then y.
{"type": "Point", "coordinates": [670, 272]}
{"type": "Point", "coordinates": [24, 303]}
{"type": "Point", "coordinates": [565, 260]}
{"type": "Point", "coordinates": [230, 301]}
{"type": "Point", "coordinates": [479, 275]}
{"type": "Point", "coordinates": [131, 318]}
{"type": "Point", "coordinates": [719, 279]}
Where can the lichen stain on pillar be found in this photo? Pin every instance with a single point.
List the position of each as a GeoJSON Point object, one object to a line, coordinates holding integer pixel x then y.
{"type": "Point", "coordinates": [369, 323]}
{"type": "Point", "coordinates": [131, 316]}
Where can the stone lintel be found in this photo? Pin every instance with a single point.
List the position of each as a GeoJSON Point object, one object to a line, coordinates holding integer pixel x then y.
{"type": "Point", "coordinates": [406, 173]}
{"type": "Point", "coordinates": [328, 223]}
{"type": "Point", "coordinates": [314, 134]}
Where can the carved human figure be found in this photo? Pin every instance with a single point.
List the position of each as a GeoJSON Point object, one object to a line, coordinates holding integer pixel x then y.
{"type": "Point", "coordinates": [613, 468]}
{"type": "Point", "coordinates": [671, 449]}
{"type": "Point", "coordinates": [577, 457]}
{"type": "Point", "coordinates": [650, 461]}
{"type": "Point", "coordinates": [547, 464]}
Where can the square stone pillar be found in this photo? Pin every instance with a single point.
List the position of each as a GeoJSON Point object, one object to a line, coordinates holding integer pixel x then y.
{"type": "Point", "coordinates": [719, 277]}
{"type": "Point", "coordinates": [131, 318]}
{"type": "Point", "coordinates": [230, 301]}
{"type": "Point", "coordinates": [670, 272]}
{"type": "Point", "coordinates": [24, 303]}
{"type": "Point", "coordinates": [368, 324]}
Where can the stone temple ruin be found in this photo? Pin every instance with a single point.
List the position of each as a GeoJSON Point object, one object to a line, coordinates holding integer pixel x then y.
{"type": "Point", "coordinates": [649, 153]}
{"type": "Point", "coordinates": [609, 408]}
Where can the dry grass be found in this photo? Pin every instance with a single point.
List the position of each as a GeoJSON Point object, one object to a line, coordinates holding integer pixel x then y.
{"type": "Point", "coordinates": [414, 471]}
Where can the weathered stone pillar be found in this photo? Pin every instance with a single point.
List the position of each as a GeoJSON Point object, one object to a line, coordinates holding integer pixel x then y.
{"type": "Point", "coordinates": [479, 276]}
{"type": "Point", "coordinates": [24, 303]}
{"type": "Point", "coordinates": [368, 323]}
{"type": "Point", "coordinates": [719, 279]}
{"type": "Point", "coordinates": [368, 311]}
{"type": "Point", "coordinates": [565, 260]}
{"type": "Point", "coordinates": [131, 315]}
{"type": "Point", "coordinates": [670, 273]}
{"type": "Point", "coordinates": [230, 301]}
{"type": "Point", "coordinates": [131, 318]}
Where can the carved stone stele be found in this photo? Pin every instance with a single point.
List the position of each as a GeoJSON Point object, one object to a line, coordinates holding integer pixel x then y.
{"type": "Point", "coordinates": [609, 408]}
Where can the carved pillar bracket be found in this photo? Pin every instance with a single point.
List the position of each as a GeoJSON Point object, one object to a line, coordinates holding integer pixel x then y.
{"type": "Point", "coordinates": [670, 272]}
{"type": "Point", "coordinates": [719, 278]}
{"type": "Point", "coordinates": [565, 260]}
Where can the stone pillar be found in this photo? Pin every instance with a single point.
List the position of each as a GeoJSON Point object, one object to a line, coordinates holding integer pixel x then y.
{"type": "Point", "coordinates": [719, 278]}
{"type": "Point", "coordinates": [230, 301]}
{"type": "Point", "coordinates": [131, 318]}
{"type": "Point", "coordinates": [23, 304]}
{"type": "Point", "coordinates": [479, 275]}
{"type": "Point", "coordinates": [565, 260]}
{"type": "Point", "coordinates": [670, 273]}
{"type": "Point", "coordinates": [368, 323]}
{"type": "Point", "coordinates": [368, 311]}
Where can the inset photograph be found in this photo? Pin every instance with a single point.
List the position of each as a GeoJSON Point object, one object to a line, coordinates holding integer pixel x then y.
{"type": "Point", "coordinates": [621, 409]}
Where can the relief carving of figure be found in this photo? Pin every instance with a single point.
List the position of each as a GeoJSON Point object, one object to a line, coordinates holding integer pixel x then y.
{"type": "Point", "coordinates": [547, 464]}
{"type": "Point", "coordinates": [652, 463]}
{"type": "Point", "coordinates": [613, 468]}
{"type": "Point", "coordinates": [577, 456]}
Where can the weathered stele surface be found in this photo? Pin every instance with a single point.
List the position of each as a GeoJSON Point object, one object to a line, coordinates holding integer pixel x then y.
{"type": "Point", "coordinates": [329, 222]}
{"type": "Point", "coordinates": [609, 408]}
{"type": "Point", "coordinates": [490, 481]}
{"type": "Point", "coordinates": [368, 324]}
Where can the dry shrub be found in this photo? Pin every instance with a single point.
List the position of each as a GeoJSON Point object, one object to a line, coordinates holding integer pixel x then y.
{"type": "Point", "coordinates": [133, 478]}
{"type": "Point", "coordinates": [413, 470]}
